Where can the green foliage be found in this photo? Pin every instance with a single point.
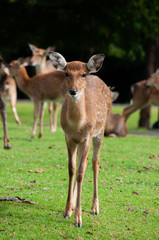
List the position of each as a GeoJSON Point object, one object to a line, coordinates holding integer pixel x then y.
{"type": "Point", "coordinates": [128, 185]}
{"type": "Point", "coordinates": [92, 26]}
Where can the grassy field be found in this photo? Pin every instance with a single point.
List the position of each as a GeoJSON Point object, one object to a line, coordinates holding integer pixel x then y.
{"type": "Point", "coordinates": [37, 171]}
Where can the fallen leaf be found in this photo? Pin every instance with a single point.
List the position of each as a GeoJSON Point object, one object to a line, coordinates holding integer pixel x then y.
{"type": "Point", "coordinates": [135, 193]}
{"type": "Point", "coordinates": [61, 167]}
{"type": "Point", "coordinates": [154, 156]}
{"type": "Point", "coordinates": [64, 236]}
{"type": "Point", "coordinates": [119, 178]}
{"type": "Point", "coordinates": [39, 170]}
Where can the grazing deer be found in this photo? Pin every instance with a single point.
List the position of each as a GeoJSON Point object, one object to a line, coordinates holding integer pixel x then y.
{"type": "Point", "coordinates": [3, 75]}
{"type": "Point", "coordinates": [41, 87]}
{"type": "Point", "coordinates": [115, 125]}
{"type": "Point", "coordinates": [11, 92]}
{"type": "Point", "coordinates": [42, 65]}
{"type": "Point", "coordinates": [83, 116]}
{"type": "Point", "coordinates": [143, 94]}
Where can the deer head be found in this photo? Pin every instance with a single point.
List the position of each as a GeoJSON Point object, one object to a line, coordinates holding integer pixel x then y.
{"type": "Point", "coordinates": [76, 72]}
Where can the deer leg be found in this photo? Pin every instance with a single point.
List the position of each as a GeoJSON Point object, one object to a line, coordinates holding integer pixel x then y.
{"type": "Point", "coordinates": [36, 114]}
{"type": "Point", "coordinates": [42, 109]}
{"type": "Point", "coordinates": [97, 142]}
{"type": "Point", "coordinates": [72, 147]}
{"type": "Point", "coordinates": [83, 150]}
{"type": "Point", "coordinates": [50, 109]}
{"type": "Point", "coordinates": [129, 110]}
{"type": "Point", "coordinates": [4, 120]}
{"type": "Point", "coordinates": [13, 99]}
{"type": "Point", "coordinates": [75, 191]}
{"type": "Point", "coordinates": [54, 122]}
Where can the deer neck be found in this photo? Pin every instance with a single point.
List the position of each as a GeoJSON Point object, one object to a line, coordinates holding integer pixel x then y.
{"type": "Point", "coordinates": [41, 68]}
{"type": "Point", "coordinates": [22, 78]}
{"type": "Point", "coordinates": [76, 109]}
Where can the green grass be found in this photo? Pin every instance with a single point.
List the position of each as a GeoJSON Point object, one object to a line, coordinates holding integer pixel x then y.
{"type": "Point", "coordinates": [127, 166]}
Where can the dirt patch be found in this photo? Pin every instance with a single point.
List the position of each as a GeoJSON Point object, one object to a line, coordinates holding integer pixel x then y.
{"type": "Point", "coordinates": [151, 133]}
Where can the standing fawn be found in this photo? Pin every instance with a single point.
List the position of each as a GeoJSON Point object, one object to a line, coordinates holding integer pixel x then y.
{"type": "Point", "coordinates": [11, 92]}
{"type": "Point", "coordinates": [3, 75]}
{"type": "Point", "coordinates": [83, 116]}
{"type": "Point", "coordinates": [143, 94]}
{"type": "Point", "coordinates": [42, 65]}
{"type": "Point", "coordinates": [41, 87]}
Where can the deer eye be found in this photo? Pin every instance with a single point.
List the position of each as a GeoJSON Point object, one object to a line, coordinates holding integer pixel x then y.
{"type": "Point", "coordinates": [66, 74]}
{"type": "Point", "coordinates": [84, 75]}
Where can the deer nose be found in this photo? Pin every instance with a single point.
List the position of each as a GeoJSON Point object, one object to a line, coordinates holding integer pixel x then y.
{"type": "Point", "coordinates": [72, 91]}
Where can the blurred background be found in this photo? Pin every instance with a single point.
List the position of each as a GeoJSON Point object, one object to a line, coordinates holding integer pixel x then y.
{"type": "Point", "coordinates": [126, 31]}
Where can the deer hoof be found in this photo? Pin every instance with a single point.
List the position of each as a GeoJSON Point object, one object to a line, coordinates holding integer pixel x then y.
{"type": "Point", "coordinates": [6, 146]}
{"type": "Point", "coordinates": [95, 213]}
{"type": "Point", "coordinates": [78, 225]}
{"type": "Point", "coordinates": [65, 217]}
{"type": "Point", "coordinates": [40, 135]}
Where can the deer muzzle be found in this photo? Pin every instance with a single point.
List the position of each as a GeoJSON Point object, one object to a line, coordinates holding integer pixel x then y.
{"type": "Point", "coordinates": [73, 91]}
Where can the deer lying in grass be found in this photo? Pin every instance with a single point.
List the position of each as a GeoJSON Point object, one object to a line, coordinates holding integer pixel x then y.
{"type": "Point", "coordinates": [84, 113]}
{"type": "Point", "coordinates": [11, 93]}
{"type": "Point", "coordinates": [42, 87]}
{"type": "Point", "coordinates": [143, 94]}
{"type": "Point", "coordinates": [115, 125]}
{"type": "Point", "coordinates": [3, 75]}
{"type": "Point", "coordinates": [42, 65]}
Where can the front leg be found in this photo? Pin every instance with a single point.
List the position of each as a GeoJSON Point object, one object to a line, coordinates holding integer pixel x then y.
{"type": "Point", "coordinates": [36, 114]}
{"type": "Point", "coordinates": [72, 147]}
{"type": "Point", "coordinates": [83, 150]}
{"type": "Point", "coordinates": [97, 142]}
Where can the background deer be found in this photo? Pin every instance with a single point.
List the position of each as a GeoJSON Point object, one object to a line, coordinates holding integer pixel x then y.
{"type": "Point", "coordinates": [42, 87]}
{"type": "Point", "coordinates": [3, 75]}
{"type": "Point", "coordinates": [83, 117]}
{"type": "Point", "coordinates": [143, 93]}
{"type": "Point", "coordinates": [11, 93]}
{"type": "Point", "coordinates": [115, 125]}
{"type": "Point", "coordinates": [42, 65]}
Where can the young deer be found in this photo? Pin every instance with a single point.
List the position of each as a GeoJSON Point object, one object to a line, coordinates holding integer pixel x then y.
{"type": "Point", "coordinates": [11, 92]}
{"type": "Point", "coordinates": [42, 65]}
{"type": "Point", "coordinates": [143, 94]}
{"type": "Point", "coordinates": [3, 75]}
{"type": "Point", "coordinates": [42, 87]}
{"type": "Point", "coordinates": [83, 116]}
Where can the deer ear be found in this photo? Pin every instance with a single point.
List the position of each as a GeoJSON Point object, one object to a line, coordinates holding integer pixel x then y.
{"type": "Point", "coordinates": [95, 63]}
{"type": "Point", "coordinates": [58, 60]}
{"type": "Point", "coordinates": [32, 47]}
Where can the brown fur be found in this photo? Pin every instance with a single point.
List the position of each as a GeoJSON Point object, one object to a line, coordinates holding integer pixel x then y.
{"type": "Point", "coordinates": [49, 86]}
{"type": "Point", "coordinates": [42, 65]}
{"type": "Point", "coordinates": [11, 92]}
{"type": "Point", "coordinates": [115, 126]}
{"type": "Point", "coordinates": [143, 95]}
{"type": "Point", "coordinates": [3, 77]}
{"type": "Point", "coordinates": [83, 119]}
